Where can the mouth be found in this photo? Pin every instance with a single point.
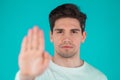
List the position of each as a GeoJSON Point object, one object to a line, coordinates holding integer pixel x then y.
{"type": "Point", "coordinates": [67, 47]}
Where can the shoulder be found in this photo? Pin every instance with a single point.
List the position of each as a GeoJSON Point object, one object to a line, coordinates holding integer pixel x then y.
{"type": "Point", "coordinates": [94, 72]}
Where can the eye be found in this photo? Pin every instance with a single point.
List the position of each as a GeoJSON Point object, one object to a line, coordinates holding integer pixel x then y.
{"type": "Point", "coordinates": [60, 31]}
{"type": "Point", "coordinates": [74, 31]}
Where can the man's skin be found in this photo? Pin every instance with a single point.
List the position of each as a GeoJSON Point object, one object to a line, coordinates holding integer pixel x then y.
{"type": "Point", "coordinates": [66, 36]}
{"type": "Point", "coordinates": [33, 60]}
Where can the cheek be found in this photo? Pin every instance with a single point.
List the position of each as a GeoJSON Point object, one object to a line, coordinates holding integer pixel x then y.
{"type": "Point", "coordinates": [56, 40]}
{"type": "Point", "coordinates": [77, 40]}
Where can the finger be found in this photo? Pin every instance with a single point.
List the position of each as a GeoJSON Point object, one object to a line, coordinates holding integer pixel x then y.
{"type": "Point", "coordinates": [46, 59]}
{"type": "Point", "coordinates": [35, 37]}
{"type": "Point", "coordinates": [41, 41]}
{"type": "Point", "coordinates": [24, 44]}
{"type": "Point", "coordinates": [30, 32]}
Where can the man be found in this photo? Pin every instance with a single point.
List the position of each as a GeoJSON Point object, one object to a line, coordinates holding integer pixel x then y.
{"type": "Point", "coordinates": [67, 25]}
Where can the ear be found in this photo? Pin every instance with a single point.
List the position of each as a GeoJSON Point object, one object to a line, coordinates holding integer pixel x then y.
{"type": "Point", "coordinates": [83, 36]}
{"type": "Point", "coordinates": [51, 36]}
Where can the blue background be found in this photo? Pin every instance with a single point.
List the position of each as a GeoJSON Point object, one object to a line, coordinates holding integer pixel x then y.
{"type": "Point", "coordinates": [101, 48]}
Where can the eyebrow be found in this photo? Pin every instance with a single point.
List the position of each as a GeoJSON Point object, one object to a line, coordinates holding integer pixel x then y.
{"type": "Point", "coordinates": [70, 30]}
{"type": "Point", "coordinates": [58, 29]}
{"type": "Point", "coordinates": [75, 29]}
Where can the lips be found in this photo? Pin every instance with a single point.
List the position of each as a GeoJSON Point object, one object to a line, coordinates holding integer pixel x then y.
{"type": "Point", "coordinates": [66, 46]}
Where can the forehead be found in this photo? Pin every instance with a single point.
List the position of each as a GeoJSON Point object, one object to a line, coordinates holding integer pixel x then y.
{"type": "Point", "coordinates": [67, 23]}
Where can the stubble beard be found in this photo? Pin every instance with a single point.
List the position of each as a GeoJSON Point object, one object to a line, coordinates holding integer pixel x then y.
{"type": "Point", "coordinates": [66, 53]}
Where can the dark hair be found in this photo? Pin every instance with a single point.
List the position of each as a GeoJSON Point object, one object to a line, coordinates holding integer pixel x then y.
{"type": "Point", "coordinates": [67, 10]}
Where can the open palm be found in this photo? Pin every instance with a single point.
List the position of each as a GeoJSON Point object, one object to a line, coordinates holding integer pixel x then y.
{"type": "Point", "coordinates": [33, 60]}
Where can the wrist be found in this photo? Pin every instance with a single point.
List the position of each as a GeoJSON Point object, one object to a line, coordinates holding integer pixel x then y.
{"type": "Point", "coordinates": [26, 77]}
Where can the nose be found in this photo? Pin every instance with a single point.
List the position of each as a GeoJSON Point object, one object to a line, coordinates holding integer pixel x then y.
{"type": "Point", "coordinates": [67, 38]}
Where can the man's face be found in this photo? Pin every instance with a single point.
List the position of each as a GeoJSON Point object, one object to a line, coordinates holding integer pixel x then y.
{"type": "Point", "coordinates": [67, 37]}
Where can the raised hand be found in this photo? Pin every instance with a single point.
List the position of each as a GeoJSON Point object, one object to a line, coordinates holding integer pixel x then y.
{"type": "Point", "coordinates": [33, 60]}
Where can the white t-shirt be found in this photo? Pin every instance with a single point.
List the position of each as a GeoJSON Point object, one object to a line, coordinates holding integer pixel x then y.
{"type": "Point", "coordinates": [56, 72]}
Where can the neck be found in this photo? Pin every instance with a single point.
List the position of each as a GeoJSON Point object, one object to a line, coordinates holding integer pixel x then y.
{"type": "Point", "coordinates": [72, 62]}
